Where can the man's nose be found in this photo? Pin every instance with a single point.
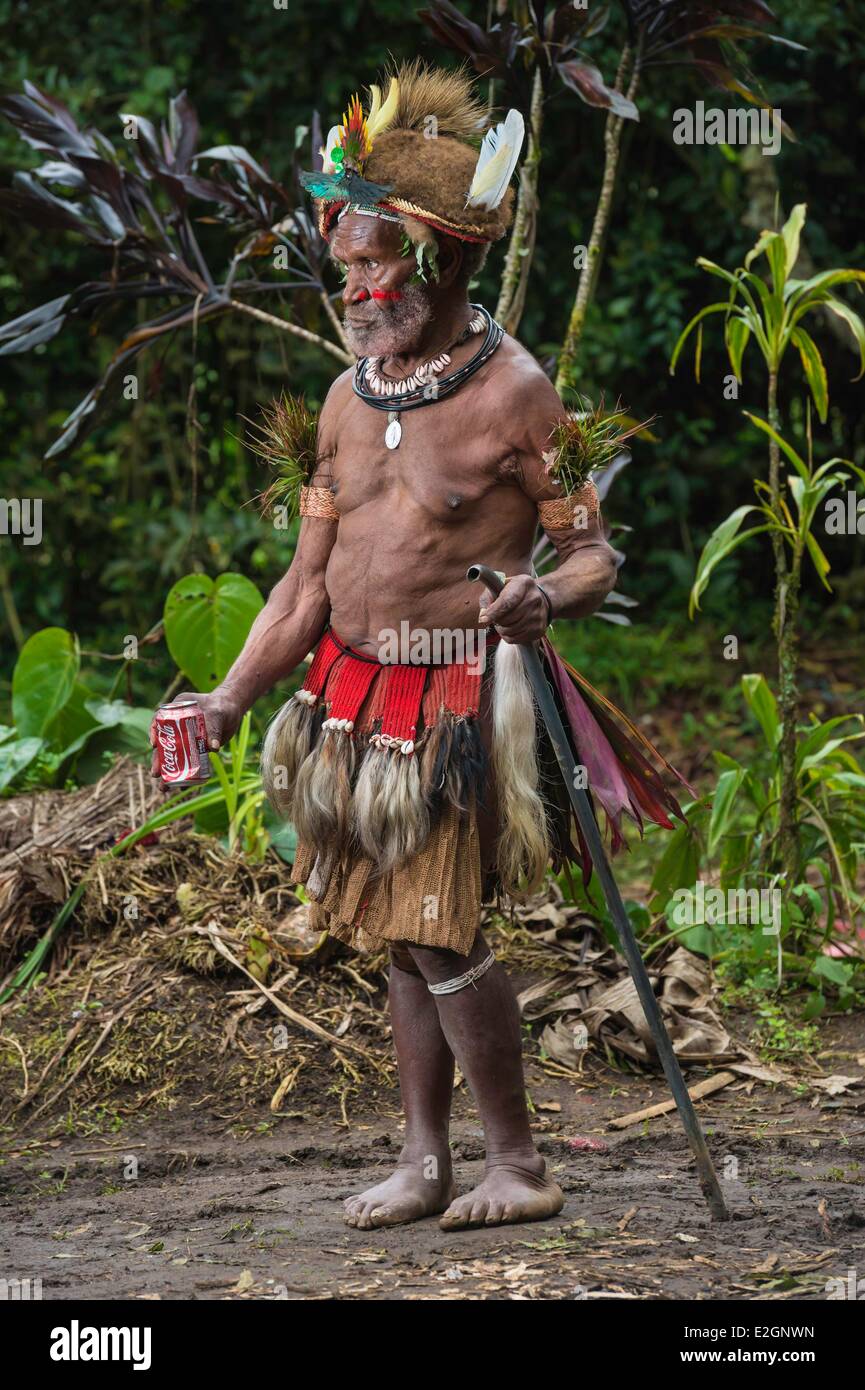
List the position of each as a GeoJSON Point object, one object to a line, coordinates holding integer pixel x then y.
{"type": "Point", "coordinates": [354, 292]}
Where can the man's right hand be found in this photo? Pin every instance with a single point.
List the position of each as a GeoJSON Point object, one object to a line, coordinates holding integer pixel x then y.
{"type": "Point", "coordinates": [222, 715]}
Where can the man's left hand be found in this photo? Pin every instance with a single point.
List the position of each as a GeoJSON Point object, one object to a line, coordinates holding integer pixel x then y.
{"type": "Point", "coordinates": [519, 614]}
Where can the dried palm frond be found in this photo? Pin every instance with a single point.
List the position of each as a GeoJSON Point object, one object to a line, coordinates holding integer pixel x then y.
{"type": "Point", "coordinates": [589, 438]}
{"type": "Point", "coordinates": [287, 439]}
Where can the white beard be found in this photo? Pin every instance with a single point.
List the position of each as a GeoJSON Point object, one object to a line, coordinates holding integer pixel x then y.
{"type": "Point", "coordinates": [396, 327]}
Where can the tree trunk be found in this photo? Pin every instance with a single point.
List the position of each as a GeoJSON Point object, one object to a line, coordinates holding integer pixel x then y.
{"type": "Point", "coordinates": [518, 263]}
{"type": "Point", "coordinates": [589, 272]}
{"type": "Point", "coordinates": [786, 607]}
{"type": "Point", "coordinates": [10, 609]}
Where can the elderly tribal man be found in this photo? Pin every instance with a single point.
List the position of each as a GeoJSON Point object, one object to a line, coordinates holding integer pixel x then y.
{"type": "Point", "coordinates": [409, 760]}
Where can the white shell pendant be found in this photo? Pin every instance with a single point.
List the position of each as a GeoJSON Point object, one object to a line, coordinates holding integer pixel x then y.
{"type": "Point", "coordinates": [393, 433]}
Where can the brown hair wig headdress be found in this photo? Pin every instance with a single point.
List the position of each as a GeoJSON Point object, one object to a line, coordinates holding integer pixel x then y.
{"type": "Point", "coordinates": [417, 155]}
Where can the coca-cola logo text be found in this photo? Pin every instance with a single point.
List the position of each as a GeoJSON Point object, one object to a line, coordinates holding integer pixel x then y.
{"type": "Point", "coordinates": [176, 762]}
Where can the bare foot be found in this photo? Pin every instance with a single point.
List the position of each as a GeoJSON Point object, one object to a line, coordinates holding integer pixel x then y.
{"type": "Point", "coordinates": [512, 1191]}
{"type": "Point", "coordinates": [407, 1195]}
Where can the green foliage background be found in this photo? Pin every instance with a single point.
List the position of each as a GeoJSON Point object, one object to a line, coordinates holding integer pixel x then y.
{"type": "Point", "coordinates": [135, 508]}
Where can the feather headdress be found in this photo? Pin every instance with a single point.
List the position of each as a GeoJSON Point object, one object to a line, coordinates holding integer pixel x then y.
{"type": "Point", "coordinates": [419, 146]}
{"type": "Point", "coordinates": [347, 149]}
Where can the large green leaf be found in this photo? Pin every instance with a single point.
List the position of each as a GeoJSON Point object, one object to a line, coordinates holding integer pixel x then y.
{"type": "Point", "coordinates": [769, 317]}
{"type": "Point", "coordinates": [688, 329]}
{"type": "Point", "coordinates": [742, 283]}
{"type": "Point", "coordinates": [679, 865]}
{"type": "Point", "coordinates": [723, 804]}
{"type": "Point", "coordinates": [760, 246]}
{"type": "Point", "coordinates": [843, 311]}
{"type": "Point", "coordinates": [17, 755]}
{"type": "Point", "coordinates": [283, 836]}
{"type": "Point", "coordinates": [773, 244]}
{"type": "Point", "coordinates": [736, 333]}
{"type": "Point", "coordinates": [796, 290]}
{"type": "Point", "coordinates": [815, 370]}
{"type": "Point", "coordinates": [776, 253]}
{"type": "Point", "coordinates": [722, 541]}
{"type": "Point", "coordinates": [835, 747]}
{"type": "Point", "coordinates": [797, 461]}
{"type": "Point", "coordinates": [121, 731]}
{"type": "Point", "coordinates": [702, 939]}
{"type": "Point", "coordinates": [820, 559]}
{"type": "Point", "coordinates": [817, 737]}
{"type": "Point", "coordinates": [43, 679]}
{"type": "Point", "coordinates": [74, 720]}
{"type": "Point", "coordinates": [207, 622]}
{"type": "Point", "coordinates": [791, 232]}
{"type": "Point", "coordinates": [764, 705]}
{"type": "Point", "coordinates": [839, 972]}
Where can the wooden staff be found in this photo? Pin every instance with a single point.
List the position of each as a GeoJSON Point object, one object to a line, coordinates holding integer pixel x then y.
{"type": "Point", "coordinates": [630, 949]}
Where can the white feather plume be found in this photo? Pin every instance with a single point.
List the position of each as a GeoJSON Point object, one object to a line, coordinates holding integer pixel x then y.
{"type": "Point", "coordinates": [327, 164]}
{"type": "Point", "coordinates": [496, 162]}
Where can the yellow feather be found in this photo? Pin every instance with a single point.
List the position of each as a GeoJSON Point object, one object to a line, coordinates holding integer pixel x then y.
{"type": "Point", "coordinates": [380, 117]}
{"type": "Point", "coordinates": [375, 103]}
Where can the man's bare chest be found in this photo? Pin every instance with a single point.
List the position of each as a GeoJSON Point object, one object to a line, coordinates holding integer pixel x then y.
{"type": "Point", "coordinates": [445, 464]}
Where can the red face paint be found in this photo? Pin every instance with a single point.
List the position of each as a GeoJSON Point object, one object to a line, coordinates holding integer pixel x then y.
{"type": "Point", "coordinates": [361, 296]}
{"type": "Point", "coordinates": [387, 294]}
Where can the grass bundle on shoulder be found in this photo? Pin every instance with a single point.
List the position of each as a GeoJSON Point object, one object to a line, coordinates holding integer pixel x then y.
{"type": "Point", "coordinates": [286, 438]}
{"type": "Point", "coordinates": [588, 439]}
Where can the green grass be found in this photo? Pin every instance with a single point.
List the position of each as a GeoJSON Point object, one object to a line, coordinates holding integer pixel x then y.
{"type": "Point", "coordinates": [645, 666]}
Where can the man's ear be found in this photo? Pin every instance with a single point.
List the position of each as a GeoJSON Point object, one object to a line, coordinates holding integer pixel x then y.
{"type": "Point", "coordinates": [450, 261]}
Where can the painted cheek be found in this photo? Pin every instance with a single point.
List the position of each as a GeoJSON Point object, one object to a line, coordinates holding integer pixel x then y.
{"type": "Point", "coordinates": [391, 281]}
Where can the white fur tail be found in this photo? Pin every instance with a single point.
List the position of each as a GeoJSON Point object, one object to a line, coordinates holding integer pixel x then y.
{"type": "Point", "coordinates": [523, 848]}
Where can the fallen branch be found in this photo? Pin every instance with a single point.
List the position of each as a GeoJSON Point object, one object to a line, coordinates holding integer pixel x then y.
{"type": "Point", "coordinates": [292, 1014]}
{"type": "Point", "coordinates": [285, 326]}
{"type": "Point", "coordinates": [702, 1088]}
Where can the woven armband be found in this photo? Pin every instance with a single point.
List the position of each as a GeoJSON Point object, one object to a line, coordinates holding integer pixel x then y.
{"type": "Point", "coordinates": [576, 510]}
{"type": "Point", "coordinates": [318, 501]}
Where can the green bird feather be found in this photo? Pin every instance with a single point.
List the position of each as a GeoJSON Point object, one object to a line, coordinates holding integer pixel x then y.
{"type": "Point", "coordinates": [344, 184]}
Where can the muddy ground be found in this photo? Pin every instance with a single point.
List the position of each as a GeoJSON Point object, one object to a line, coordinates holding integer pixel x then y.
{"type": "Point", "coordinates": [237, 1207]}
{"type": "Point", "coordinates": [160, 1139]}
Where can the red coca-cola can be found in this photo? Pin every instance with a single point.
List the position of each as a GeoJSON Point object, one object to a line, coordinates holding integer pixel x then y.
{"type": "Point", "coordinates": [181, 744]}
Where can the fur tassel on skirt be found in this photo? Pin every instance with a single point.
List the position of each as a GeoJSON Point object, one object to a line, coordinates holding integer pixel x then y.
{"type": "Point", "coordinates": [366, 757]}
